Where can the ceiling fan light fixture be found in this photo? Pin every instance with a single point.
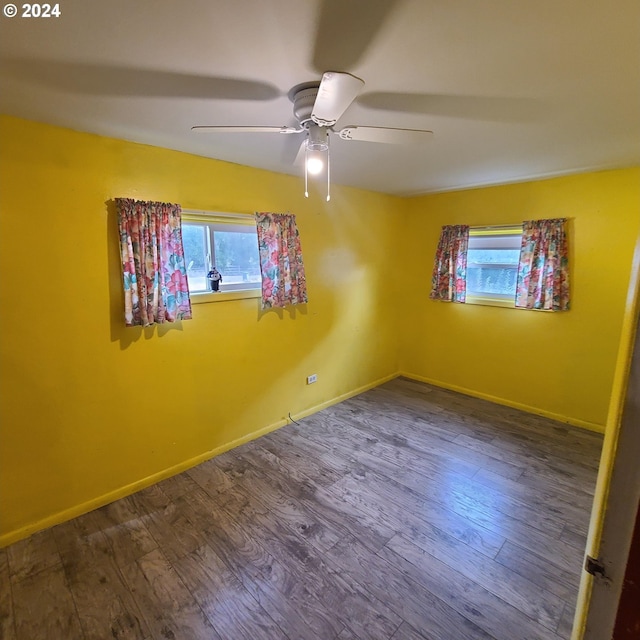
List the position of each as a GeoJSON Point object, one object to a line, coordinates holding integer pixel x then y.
{"type": "Point", "coordinates": [318, 139]}
{"type": "Point", "coordinates": [315, 163]}
{"type": "Point", "coordinates": [316, 157]}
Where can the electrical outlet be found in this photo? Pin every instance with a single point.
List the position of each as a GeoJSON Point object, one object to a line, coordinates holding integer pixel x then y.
{"type": "Point", "coordinates": [312, 378]}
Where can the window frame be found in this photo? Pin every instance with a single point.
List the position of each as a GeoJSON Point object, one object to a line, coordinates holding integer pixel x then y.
{"type": "Point", "coordinates": [494, 300]}
{"type": "Point", "coordinates": [233, 221]}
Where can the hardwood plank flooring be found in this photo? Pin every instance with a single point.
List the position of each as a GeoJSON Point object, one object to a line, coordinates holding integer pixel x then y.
{"type": "Point", "coordinates": [7, 629]}
{"type": "Point", "coordinates": [406, 513]}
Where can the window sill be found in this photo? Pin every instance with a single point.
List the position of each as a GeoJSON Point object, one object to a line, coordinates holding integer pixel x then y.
{"type": "Point", "coordinates": [496, 302]}
{"type": "Point", "coordinates": [509, 303]}
{"type": "Point", "coordinates": [224, 296]}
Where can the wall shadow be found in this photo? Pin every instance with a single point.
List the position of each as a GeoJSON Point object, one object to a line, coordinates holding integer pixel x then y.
{"type": "Point", "coordinates": [291, 311]}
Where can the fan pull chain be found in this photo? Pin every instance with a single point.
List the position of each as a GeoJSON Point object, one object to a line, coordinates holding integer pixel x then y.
{"type": "Point", "coordinates": [328, 173]}
{"type": "Point", "coordinates": [306, 170]}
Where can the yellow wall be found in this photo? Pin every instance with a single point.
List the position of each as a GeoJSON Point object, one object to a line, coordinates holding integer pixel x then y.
{"type": "Point", "coordinates": [89, 407]}
{"type": "Point", "coordinates": [72, 435]}
{"type": "Point", "coordinates": [557, 364]}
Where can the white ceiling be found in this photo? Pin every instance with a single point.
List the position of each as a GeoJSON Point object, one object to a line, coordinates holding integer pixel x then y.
{"type": "Point", "coordinates": [511, 89]}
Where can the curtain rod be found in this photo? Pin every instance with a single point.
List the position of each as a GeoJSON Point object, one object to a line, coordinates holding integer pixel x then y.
{"type": "Point", "coordinates": [497, 226]}
{"type": "Point", "coordinates": [226, 214]}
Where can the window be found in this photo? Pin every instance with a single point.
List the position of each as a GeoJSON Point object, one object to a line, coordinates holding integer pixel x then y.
{"type": "Point", "coordinates": [228, 243]}
{"type": "Point", "coordinates": [492, 265]}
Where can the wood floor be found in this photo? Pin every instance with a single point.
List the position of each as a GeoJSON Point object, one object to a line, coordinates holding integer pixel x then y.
{"type": "Point", "coordinates": [407, 512]}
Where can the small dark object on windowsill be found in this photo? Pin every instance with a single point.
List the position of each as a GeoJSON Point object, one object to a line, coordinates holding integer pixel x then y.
{"type": "Point", "coordinates": [215, 278]}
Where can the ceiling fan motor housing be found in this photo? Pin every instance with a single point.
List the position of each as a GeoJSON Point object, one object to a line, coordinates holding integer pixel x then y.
{"type": "Point", "coordinates": [303, 98]}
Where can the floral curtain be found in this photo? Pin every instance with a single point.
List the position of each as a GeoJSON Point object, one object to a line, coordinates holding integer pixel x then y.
{"type": "Point", "coordinates": [449, 280]}
{"type": "Point", "coordinates": [154, 274]}
{"type": "Point", "coordinates": [543, 273]}
{"type": "Point", "coordinates": [283, 279]}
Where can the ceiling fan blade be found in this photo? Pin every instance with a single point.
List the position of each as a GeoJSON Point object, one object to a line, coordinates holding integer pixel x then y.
{"type": "Point", "coordinates": [345, 30]}
{"type": "Point", "coordinates": [300, 156]}
{"type": "Point", "coordinates": [214, 129]}
{"type": "Point", "coordinates": [385, 134]}
{"type": "Point", "coordinates": [335, 93]}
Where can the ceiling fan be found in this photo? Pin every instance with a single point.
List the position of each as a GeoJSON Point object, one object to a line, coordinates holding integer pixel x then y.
{"type": "Point", "coordinates": [317, 107]}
